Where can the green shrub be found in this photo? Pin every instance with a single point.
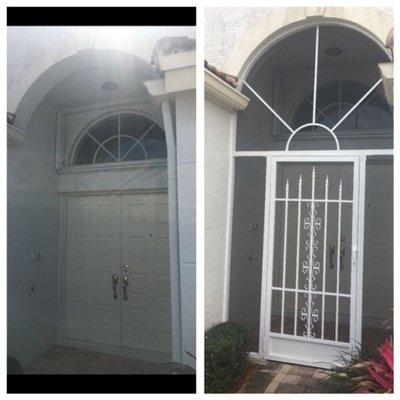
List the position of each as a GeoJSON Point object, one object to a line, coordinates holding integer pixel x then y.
{"type": "Point", "coordinates": [226, 347]}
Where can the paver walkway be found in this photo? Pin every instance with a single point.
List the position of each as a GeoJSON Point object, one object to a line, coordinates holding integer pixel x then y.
{"type": "Point", "coordinates": [69, 360]}
{"type": "Point", "coordinates": [275, 377]}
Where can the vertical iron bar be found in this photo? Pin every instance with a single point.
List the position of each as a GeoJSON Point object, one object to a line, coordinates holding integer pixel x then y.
{"type": "Point", "coordinates": [284, 255]}
{"type": "Point", "coordinates": [338, 260]}
{"type": "Point", "coordinates": [311, 254]}
{"type": "Point", "coordinates": [324, 260]}
{"type": "Point", "coordinates": [315, 73]}
{"type": "Point", "coordinates": [297, 254]}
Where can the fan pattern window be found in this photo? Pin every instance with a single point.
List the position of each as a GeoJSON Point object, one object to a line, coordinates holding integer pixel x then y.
{"type": "Point", "coordinates": [335, 99]}
{"type": "Point", "coordinates": [121, 138]}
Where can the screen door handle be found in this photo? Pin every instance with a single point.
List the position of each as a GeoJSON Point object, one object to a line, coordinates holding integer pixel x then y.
{"type": "Point", "coordinates": [124, 285]}
{"type": "Point", "coordinates": [342, 251]}
{"type": "Point", "coordinates": [331, 254]}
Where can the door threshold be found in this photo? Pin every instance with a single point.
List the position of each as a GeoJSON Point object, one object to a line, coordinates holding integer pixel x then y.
{"type": "Point", "coordinates": [133, 353]}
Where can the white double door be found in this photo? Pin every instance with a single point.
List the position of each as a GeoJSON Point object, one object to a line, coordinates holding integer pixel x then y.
{"type": "Point", "coordinates": [117, 279]}
{"type": "Point", "coordinates": [311, 306]}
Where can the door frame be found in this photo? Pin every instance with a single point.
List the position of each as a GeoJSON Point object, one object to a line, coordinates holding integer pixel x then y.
{"type": "Point", "coordinates": [61, 338]}
{"type": "Point", "coordinates": [359, 162]}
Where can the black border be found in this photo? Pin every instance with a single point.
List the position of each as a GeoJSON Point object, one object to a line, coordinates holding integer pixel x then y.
{"type": "Point", "coordinates": [101, 16]}
{"type": "Point", "coordinates": [101, 384]}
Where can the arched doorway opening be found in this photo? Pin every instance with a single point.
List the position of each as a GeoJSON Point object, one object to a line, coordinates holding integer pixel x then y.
{"type": "Point", "coordinates": [317, 125]}
{"type": "Point", "coordinates": [100, 232]}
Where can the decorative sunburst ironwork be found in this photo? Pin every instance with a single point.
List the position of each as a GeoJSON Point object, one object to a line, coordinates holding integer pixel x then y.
{"type": "Point", "coordinates": [330, 130]}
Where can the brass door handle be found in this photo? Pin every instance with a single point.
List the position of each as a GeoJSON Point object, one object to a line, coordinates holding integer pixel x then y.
{"type": "Point", "coordinates": [124, 286]}
{"type": "Point", "coordinates": [114, 284]}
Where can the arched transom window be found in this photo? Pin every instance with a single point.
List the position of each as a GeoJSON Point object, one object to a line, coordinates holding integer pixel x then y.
{"type": "Point", "coordinates": [336, 98]}
{"type": "Point", "coordinates": [121, 137]}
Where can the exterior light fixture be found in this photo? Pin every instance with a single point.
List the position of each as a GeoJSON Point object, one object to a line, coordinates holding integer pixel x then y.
{"type": "Point", "coordinates": [334, 51]}
{"type": "Point", "coordinates": [109, 86]}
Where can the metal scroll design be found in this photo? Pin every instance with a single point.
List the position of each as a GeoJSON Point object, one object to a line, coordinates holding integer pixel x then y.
{"type": "Point", "coordinates": [310, 268]}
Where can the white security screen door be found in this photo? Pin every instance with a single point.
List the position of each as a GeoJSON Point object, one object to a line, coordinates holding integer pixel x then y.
{"type": "Point", "coordinates": [310, 259]}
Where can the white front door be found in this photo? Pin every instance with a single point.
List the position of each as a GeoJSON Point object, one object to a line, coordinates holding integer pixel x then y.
{"type": "Point", "coordinates": [117, 271]}
{"type": "Point", "coordinates": [311, 262]}
{"type": "Point", "coordinates": [146, 309]}
{"type": "Point", "coordinates": [93, 254]}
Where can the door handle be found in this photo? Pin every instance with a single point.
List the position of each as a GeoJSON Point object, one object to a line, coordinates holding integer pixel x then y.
{"type": "Point", "coordinates": [342, 251]}
{"type": "Point", "coordinates": [124, 286]}
{"type": "Point", "coordinates": [114, 284]}
{"type": "Point", "coordinates": [331, 254]}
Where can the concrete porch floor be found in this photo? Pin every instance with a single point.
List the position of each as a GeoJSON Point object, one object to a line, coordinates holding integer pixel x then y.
{"type": "Point", "coordinates": [69, 360]}
{"type": "Point", "coordinates": [275, 377]}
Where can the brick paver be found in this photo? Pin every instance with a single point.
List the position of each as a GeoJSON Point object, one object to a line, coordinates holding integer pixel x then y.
{"type": "Point", "coordinates": [273, 377]}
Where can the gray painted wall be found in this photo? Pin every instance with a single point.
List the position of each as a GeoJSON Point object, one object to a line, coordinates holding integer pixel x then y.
{"type": "Point", "coordinates": [33, 226]}
{"type": "Point", "coordinates": [247, 242]}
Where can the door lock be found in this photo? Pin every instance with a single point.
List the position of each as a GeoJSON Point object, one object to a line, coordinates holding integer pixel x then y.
{"type": "Point", "coordinates": [114, 281]}
{"type": "Point", "coordinates": [124, 286]}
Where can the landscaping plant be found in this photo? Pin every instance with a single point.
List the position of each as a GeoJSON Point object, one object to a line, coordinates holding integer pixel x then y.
{"type": "Point", "coordinates": [362, 372]}
{"type": "Point", "coordinates": [226, 347]}
{"type": "Point", "coordinates": [379, 377]}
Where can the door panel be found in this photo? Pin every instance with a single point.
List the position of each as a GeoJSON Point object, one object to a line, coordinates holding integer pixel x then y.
{"type": "Point", "coordinates": [93, 254]}
{"type": "Point", "coordinates": [311, 262]}
{"type": "Point", "coordinates": [146, 311]}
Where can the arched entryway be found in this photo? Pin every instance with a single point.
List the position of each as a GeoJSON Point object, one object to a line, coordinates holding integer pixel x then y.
{"type": "Point", "coordinates": [101, 277]}
{"type": "Point", "coordinates": [317, 125]}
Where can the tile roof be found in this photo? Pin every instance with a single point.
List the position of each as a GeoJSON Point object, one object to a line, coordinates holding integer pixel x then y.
{"type": "Point", "coordinates": [229, 79]}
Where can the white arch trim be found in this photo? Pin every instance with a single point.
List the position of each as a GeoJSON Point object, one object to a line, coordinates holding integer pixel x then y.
{"type": "Point", "coordinates": [53, 67]}
{"type": "Point", "coordinates": [285, 21]}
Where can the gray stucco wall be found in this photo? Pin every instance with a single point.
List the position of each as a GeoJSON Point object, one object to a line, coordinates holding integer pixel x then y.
{"type": "Point", "coordinates": [185, 107]}
{"type": "Point", "coordinates": [226, 27]}
{"type": "Point", "coordinates": [33, 226]}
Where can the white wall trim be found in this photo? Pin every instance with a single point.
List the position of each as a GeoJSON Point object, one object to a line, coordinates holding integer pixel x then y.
{"type": "Point", "coordinates": [225, 95]}
{"type": "Point", "coordinates": [176, 314]}
{"type": "Point", "coordinates": [283, 22]}
{"type": "Point", "coordinates": [174, 81]}
{"type": "Point", "coordinates": [387, 73]}
{"type": "Point", "coordinates": [360, 251]}
{"type": "Point", "coordinates": [368, 152]}
{"type": "Point", "coordinates": [229, 219]}
{"type": "Point", "coordinates": [14, 135]}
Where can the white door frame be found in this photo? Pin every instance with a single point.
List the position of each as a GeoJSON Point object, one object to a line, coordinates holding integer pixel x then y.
{"type": "Point", "coordinates": [357, 253]}
{"type": "Point", "coordinates": [61, 276]}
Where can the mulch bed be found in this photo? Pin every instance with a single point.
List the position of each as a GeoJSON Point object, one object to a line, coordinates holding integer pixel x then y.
{"type": "Point", "coordinates": [242, 379]}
